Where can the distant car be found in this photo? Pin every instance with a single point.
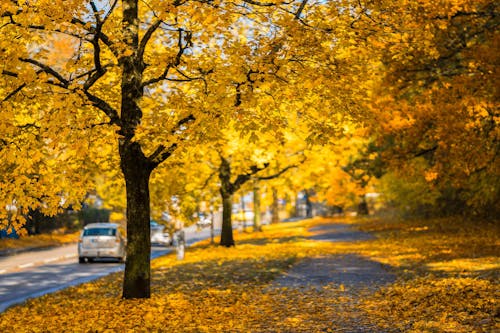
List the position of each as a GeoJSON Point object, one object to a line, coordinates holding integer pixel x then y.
{"type": "Point", "coordinates": [158, 236]}
{"type": "Point", "coordinates": [203, 220]}
{"type": "Point", "coordinates": [101, 241]}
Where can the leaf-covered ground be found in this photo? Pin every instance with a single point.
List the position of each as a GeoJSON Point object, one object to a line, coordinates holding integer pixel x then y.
{"type": "Point", "coordinates": [447, 282]}
{"type": "Point", "coordinates": [38, 241]}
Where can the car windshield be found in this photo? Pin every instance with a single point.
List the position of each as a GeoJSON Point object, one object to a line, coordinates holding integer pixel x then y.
{"type": "Point", "coordinates": [100, 232]}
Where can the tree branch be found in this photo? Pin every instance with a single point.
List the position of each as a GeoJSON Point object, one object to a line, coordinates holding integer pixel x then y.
{"type": "Point", "coordinates": [426, 151]}
{"type": "Point", "coordinates": [14, 92]}
{"type": "Point", "coordinates": [105, 107]}
{"type": "Point", "coordinates": [145, 39]}
{"type": "Point", "coordinates": [261, 4]}
{"type": "Point", "coordinates": [162, 153]}
{"type": "Point", "coordinates": [177, 60]}
{"type": "Point", "coordinates": [48, 70]}
{"type": "Point", "coordinates": [242, 179]}
{"type": "Point", "coordinates": [301, 9]}
{"type": "Point", "coordinates": [279, 173]}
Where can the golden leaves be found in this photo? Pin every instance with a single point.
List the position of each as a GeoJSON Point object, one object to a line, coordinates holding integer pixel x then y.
{"type": "Point", "coordinates": [46, 240]}
{"type": "Point", "coordinates": [220, 290]}
{"type": "Point", "coordinates": [429, 304]}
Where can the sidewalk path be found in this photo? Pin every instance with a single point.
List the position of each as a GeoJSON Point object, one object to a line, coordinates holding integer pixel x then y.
{"type": "Point", "coordinates": [352, 275]}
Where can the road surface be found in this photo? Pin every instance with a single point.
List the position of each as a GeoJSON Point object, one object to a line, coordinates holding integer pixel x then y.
{"type": "Point", "coordinates": [36, 273]}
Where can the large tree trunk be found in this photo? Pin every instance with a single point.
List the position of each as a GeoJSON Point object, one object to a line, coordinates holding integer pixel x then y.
{"type": "Point", "coordinates": [136, 282]}
{"type": "Point", "coordinates": [226, 236]}
{"type": "Point", "coordinates": [256, 207]}
{"type": "Point", "coordinates": [135, 166]}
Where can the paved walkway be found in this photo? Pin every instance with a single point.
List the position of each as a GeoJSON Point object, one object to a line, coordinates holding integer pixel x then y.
{"type": "Point", "coordinates": [353, 275]}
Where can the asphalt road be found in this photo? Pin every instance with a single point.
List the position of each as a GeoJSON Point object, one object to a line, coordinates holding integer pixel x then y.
{"type": "Point", "coordinates": [36, 273]}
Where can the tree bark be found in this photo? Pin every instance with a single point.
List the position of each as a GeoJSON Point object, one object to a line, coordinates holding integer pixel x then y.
{"type": "Point", "coordinates": [309, 208]}
{"type": "Point", "coordinates": [226, 237]}
{"type": "Point", "coordinates": [226, 192]}
{"type": "Point", "coordinates": [135, 166]}
{"type": "Point", "coordinates": [363, 206]}
{"type": "Point", "coordinates": [137, 277]}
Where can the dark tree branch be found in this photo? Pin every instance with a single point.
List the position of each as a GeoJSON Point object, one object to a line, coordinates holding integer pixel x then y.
{"type": "Point", "coordinates": [102, 36]}
{"type": "Point", "coordinates": [162, 153]}
{"type": "Point", "coordinates": [207, 181]}
{"type": "Point", "coordinates": [111, 9]}
{"type": "Point", "coordinates": [96, 13]}
{"type": "Point", "coordinates": [47, 69]}
{"type": "Point", "coordinates": [14, 92]}
{"type": "Point", "coordinates": [99, 124]}
{"type": "Point", "coordinates": [238, 85]}
{"type": "Point", "coordinates": [9, 14]}
{"type": "Point", "coordinates": [183, 42]}
{"type": "Point", "coordinates": [279, 173]}
{"type": "Point", "coordinates": [242, 179]}
{"type": "Point", "coordinates": [301, 9]}
{"type": "Point", "coordinates": [261, 4]}
{"type": "Point", "coordinates": [426, 151]}
{"type": "Point", "coordinates": [9, 73]}
{"type": "Point", "coordinates": [145, 39]}
{"type": "Point", "coordinates": [105, 107]}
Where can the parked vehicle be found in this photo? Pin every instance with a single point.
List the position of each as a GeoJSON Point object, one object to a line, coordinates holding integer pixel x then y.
{"type": "Point", "coordinates": [204, 220]}
{"type": "Point", "coordinates": [101, 241]}
{"type": "Point", "coordinates": [159, 236]}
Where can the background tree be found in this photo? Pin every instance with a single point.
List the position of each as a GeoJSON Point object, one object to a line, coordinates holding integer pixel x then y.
{"type": "Point", "coordinates": [437, 97]}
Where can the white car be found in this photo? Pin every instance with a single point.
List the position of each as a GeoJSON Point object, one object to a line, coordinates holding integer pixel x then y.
{"type": "Point", "coordinates": [204, 220]}
{"type": "Point", "coordinates": [101, 241]}
{"type": "Point", "coordinates": [158, 236]}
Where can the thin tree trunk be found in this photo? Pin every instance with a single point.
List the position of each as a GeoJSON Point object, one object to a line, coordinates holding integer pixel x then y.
{"type": "Point", "coordinates": [309, 212]}
{"type": "Point", "coordinates": [137, 277]}
{"type": "Point", "coordinates": [243, 215]}
{"type": "Point", "coordinates": [297, 206]}
{"type": "Point", "coordinates": [226, 192]}
{"type": "Point", "coordinates": [363, 206]}
{"type": "Point", "coordinates": [212, 221]}
{"type": "Point", "coordinates": [257, 226]}
{"type": "Point", "coordinates": [275, 214]}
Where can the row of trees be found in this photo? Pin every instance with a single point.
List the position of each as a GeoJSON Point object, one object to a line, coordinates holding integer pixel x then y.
{"type": "Point", "coordinates": [190, 98]}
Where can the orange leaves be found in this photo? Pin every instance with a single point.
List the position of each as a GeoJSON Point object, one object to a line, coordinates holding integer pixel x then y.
{"type": "Point", "coordinates": [429, 304]}
{"type": "Point", "coordinates": [231, 290]}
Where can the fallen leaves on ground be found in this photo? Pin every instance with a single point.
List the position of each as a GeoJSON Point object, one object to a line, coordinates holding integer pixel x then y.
{"type": "Point", "coordinates": [39, 241]}
{"type": "Point", "coordinates": [218, 289]}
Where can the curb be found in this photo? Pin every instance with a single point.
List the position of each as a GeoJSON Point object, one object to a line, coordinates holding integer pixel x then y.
{"type": "Point", "coordinates": [11, 252]}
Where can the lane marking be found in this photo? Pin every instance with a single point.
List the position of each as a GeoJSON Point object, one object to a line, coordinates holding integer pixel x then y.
{"type": "Point", "coordinates": [46, 261]}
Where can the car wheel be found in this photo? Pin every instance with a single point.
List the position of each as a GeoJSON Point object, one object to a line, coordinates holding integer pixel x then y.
{"type": "Point", "coordinates": [81, 260]}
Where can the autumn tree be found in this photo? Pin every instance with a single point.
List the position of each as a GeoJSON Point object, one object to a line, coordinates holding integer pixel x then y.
{"type": "Point", "coordinates": [139, 77]}
{"type": "Point", "coordinates": [436, 96]}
